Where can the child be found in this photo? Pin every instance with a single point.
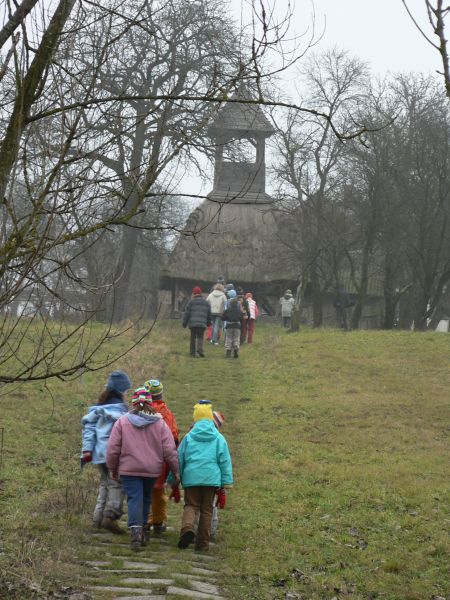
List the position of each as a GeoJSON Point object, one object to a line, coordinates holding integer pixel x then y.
{"type": "Point", "coordinates": [232, 316]}
{"type": "Point", "coordinates": [205, 465]}
{"type": "Point", "coordinates": [218, 422]}
{"type": "Point", "coordinates": [158, 516]}
{"type": "Point", "coordinates": [197, 316]}
{"type": "Point", "coordinates": [253, 315]}
{"type": "Point", "coordinates": [139, 445]}
{"type": "Point", "coordinates": [97, 426]}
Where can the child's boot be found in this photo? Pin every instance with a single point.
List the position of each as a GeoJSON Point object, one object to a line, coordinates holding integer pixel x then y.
{"type": "Point", "coordinates": [136, 537]}
{"type": "Point", "coordinates": [111, 525]}
{"type": "Point", "coordinates": [228, 355]}
{"type": "Point", "coordinates": [236, 353]}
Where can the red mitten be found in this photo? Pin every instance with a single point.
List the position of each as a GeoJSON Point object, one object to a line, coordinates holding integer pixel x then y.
{"type": "Point", "coordinates": [221, 498]}
{"type": "Point", "coordinates": [175, 495]}
{"type": "Point", "coordinates": [87, 457]}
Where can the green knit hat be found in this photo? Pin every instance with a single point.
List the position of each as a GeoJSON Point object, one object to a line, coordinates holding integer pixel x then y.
{"type": "Point", "coordinates": [154, 386]}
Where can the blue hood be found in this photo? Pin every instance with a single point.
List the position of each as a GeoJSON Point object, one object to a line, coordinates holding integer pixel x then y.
{"type": "Point", "coordinates": [143, 420]}
{"type": "Point", "coordinates": [97, 427]}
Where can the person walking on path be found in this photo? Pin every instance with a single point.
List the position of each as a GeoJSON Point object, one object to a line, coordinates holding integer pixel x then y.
{"type": "Point", "coordinates": [197, 316]}
{"type": "Point", "coordinates": [216, 301]}
{"type": "Point", "coordinates": [232, 316]}
{"type": "Point", "coordinates": [205, 465]}
{"type": "Point", "coordinates": [96, 429]}
{"type": "Point", "coordinates": [158, 516]}
{"type": "Point", "coordinates": [287, 304]}
{"type": "Point", "coordinates": [242, 299]}
{"type": "Point", "coordinates": [139, 445]}
{"type": "Point", "coordinates": [253, 315]}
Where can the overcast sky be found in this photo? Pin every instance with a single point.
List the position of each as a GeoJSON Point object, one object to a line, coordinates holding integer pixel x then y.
{"type": "Point", "coordinates": [378, 31]}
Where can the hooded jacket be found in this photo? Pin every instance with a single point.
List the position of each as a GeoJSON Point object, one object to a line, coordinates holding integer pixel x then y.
{"type": "Point", "coordinates": [287, 304]}
{"type": "Point", "coordinates": [216, 300]}
{"type": "Point", "coordinates": [204, 457]}
{"type": "Point", "coordinates": [169, 418]}
{"type": "Point", "coordinates": [97, 426]}
{"type": "Point", "coordinates": [139, 445]}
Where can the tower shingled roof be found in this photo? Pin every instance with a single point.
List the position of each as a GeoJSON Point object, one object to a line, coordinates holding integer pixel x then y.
{"type": "Point", "coordinates": [237, 116]}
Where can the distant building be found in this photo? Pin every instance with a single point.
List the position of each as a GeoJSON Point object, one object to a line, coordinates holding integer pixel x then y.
{"type": "Point", "coordinates": [234, 231]}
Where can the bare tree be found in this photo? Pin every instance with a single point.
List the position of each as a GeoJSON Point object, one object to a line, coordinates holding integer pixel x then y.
{"type": "Point", "coordinates": [308, 170]}
{"type": "Point", "coordinates": [437, 11]}
{"type": "Point", "coordinates": [98, 104]}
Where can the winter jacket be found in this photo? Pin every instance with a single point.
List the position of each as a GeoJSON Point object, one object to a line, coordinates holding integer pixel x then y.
{"type": "Point", "coordinates": [216, 301]}
{"type": "Point", "coordinates": [169, 419]}
{"type": "Point", "coordinates": [97, 426]}
{"type": "Point", "coordinates": [232, 314]}
{"type": "Point", "coordinates": [204, 457]}
{"type": "Point", "coordinates": [139, 445]}
{"type": "Point", "coordinates": [287, 303]}
{"type": "Point", "coordinates": [253, 309]}
{"type": "Point", "coordinates": [197, 313]}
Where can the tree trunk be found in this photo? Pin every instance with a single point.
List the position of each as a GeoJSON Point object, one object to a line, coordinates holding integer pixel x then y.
{"type": "Point", "coordinates": [317, 297]}
{"type": "Point", "coordinates": [120, 309]}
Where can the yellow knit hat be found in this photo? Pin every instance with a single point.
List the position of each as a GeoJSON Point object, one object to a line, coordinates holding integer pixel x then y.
{"type": "Point", "coordinates": [203, 410]}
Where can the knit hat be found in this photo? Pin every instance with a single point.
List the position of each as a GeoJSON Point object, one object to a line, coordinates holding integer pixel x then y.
{"type": "Point", "coordinates": [218, 419]}
{"type": "Point", "coordinates": [141, 396]}
{"type": "Point", "coordinates": [203, 410]}
{"type": "Point", "coordinates": [220, 279]}
{"type": "Point", "coordinates": [288, 292]}
{"type": "Point", "coordinates": [118, 381]}
{"type": "Point", "coordinates": [231, 293]}
{"type": "Point", "coordinates": [229, 286]}
{"type": "Point", "coordinates": [197, 290]}
{"type": "Point", "coordinates": [155, 387]}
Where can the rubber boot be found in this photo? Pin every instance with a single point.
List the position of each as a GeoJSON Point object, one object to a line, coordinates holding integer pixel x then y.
{"type": "Point", "coordinates": [236, 353]}
{"type": "Point", "coordinates": [228, 354]}
{"type": "Point", "coordinates": [136, 538]}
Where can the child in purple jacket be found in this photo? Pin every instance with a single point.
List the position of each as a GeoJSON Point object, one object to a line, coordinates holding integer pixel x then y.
{"type": "Point", "coordinates": [139, 445]}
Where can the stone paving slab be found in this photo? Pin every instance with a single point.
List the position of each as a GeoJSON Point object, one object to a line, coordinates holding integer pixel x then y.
{"type": "Point", "coordinates": [202, 571]}
{"type": "Point", "coordinates": [143, 566]}
{"type": "Point", "coordinates": [116, 588]}
{"type": "Point", "coordinates": [97, 563]}
{"type": "Point", "coordinates": [202, 586]}
{"type": "Point", "coordinates": [176, 591]}
{"type": "Point", "coordinates": [140, 597]}
{"type": "Point", "coordinates": [143, 560]}
{"type": "Point", "coordinates": [147, 581]}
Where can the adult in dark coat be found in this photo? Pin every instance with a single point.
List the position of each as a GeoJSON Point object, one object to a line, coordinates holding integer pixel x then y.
{"type": "Point", "coordinates": [197, 316]}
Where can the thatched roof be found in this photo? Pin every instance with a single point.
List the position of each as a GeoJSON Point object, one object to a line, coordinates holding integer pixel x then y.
{"type": "Point", "coordinates": [238, 241]}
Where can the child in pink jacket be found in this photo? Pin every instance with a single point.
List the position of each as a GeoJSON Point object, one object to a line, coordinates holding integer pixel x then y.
{"type": "Point", "coordinates": [139, 445]}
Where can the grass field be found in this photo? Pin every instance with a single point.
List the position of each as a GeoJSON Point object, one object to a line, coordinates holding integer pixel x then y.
{"type": "Point", "coordinates": [340, 443]}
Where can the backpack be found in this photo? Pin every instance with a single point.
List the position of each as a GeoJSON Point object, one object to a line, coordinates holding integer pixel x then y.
{"type": "Point", "coordinates": [233, 311]}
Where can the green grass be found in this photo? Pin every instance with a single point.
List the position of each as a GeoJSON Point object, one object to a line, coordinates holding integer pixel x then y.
{"type": "Point", "coordinates": [340, 443]}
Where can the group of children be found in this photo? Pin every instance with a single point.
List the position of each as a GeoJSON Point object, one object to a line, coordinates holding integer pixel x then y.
{"type": "Point", "coordinates": [138, 453]}
{"type": "Point", "coordinates": [225, 308]}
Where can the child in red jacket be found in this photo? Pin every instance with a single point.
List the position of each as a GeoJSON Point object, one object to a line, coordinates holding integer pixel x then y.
{"type": "Point", "coordinates": [158, 517]}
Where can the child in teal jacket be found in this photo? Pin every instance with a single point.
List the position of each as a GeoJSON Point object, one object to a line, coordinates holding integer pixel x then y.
{"type": "Point", "coordinates": [205, 465]}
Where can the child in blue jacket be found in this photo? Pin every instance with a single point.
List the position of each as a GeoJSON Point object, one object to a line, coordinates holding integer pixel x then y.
{"type": "Point", "coordinates": [205, 466]}
{"type": "Point", "coordinates": [97, 426]}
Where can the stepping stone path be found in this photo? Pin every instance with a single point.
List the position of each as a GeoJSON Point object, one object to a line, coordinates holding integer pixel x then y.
{"type": "Point", "coordinates": [159, 572]}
